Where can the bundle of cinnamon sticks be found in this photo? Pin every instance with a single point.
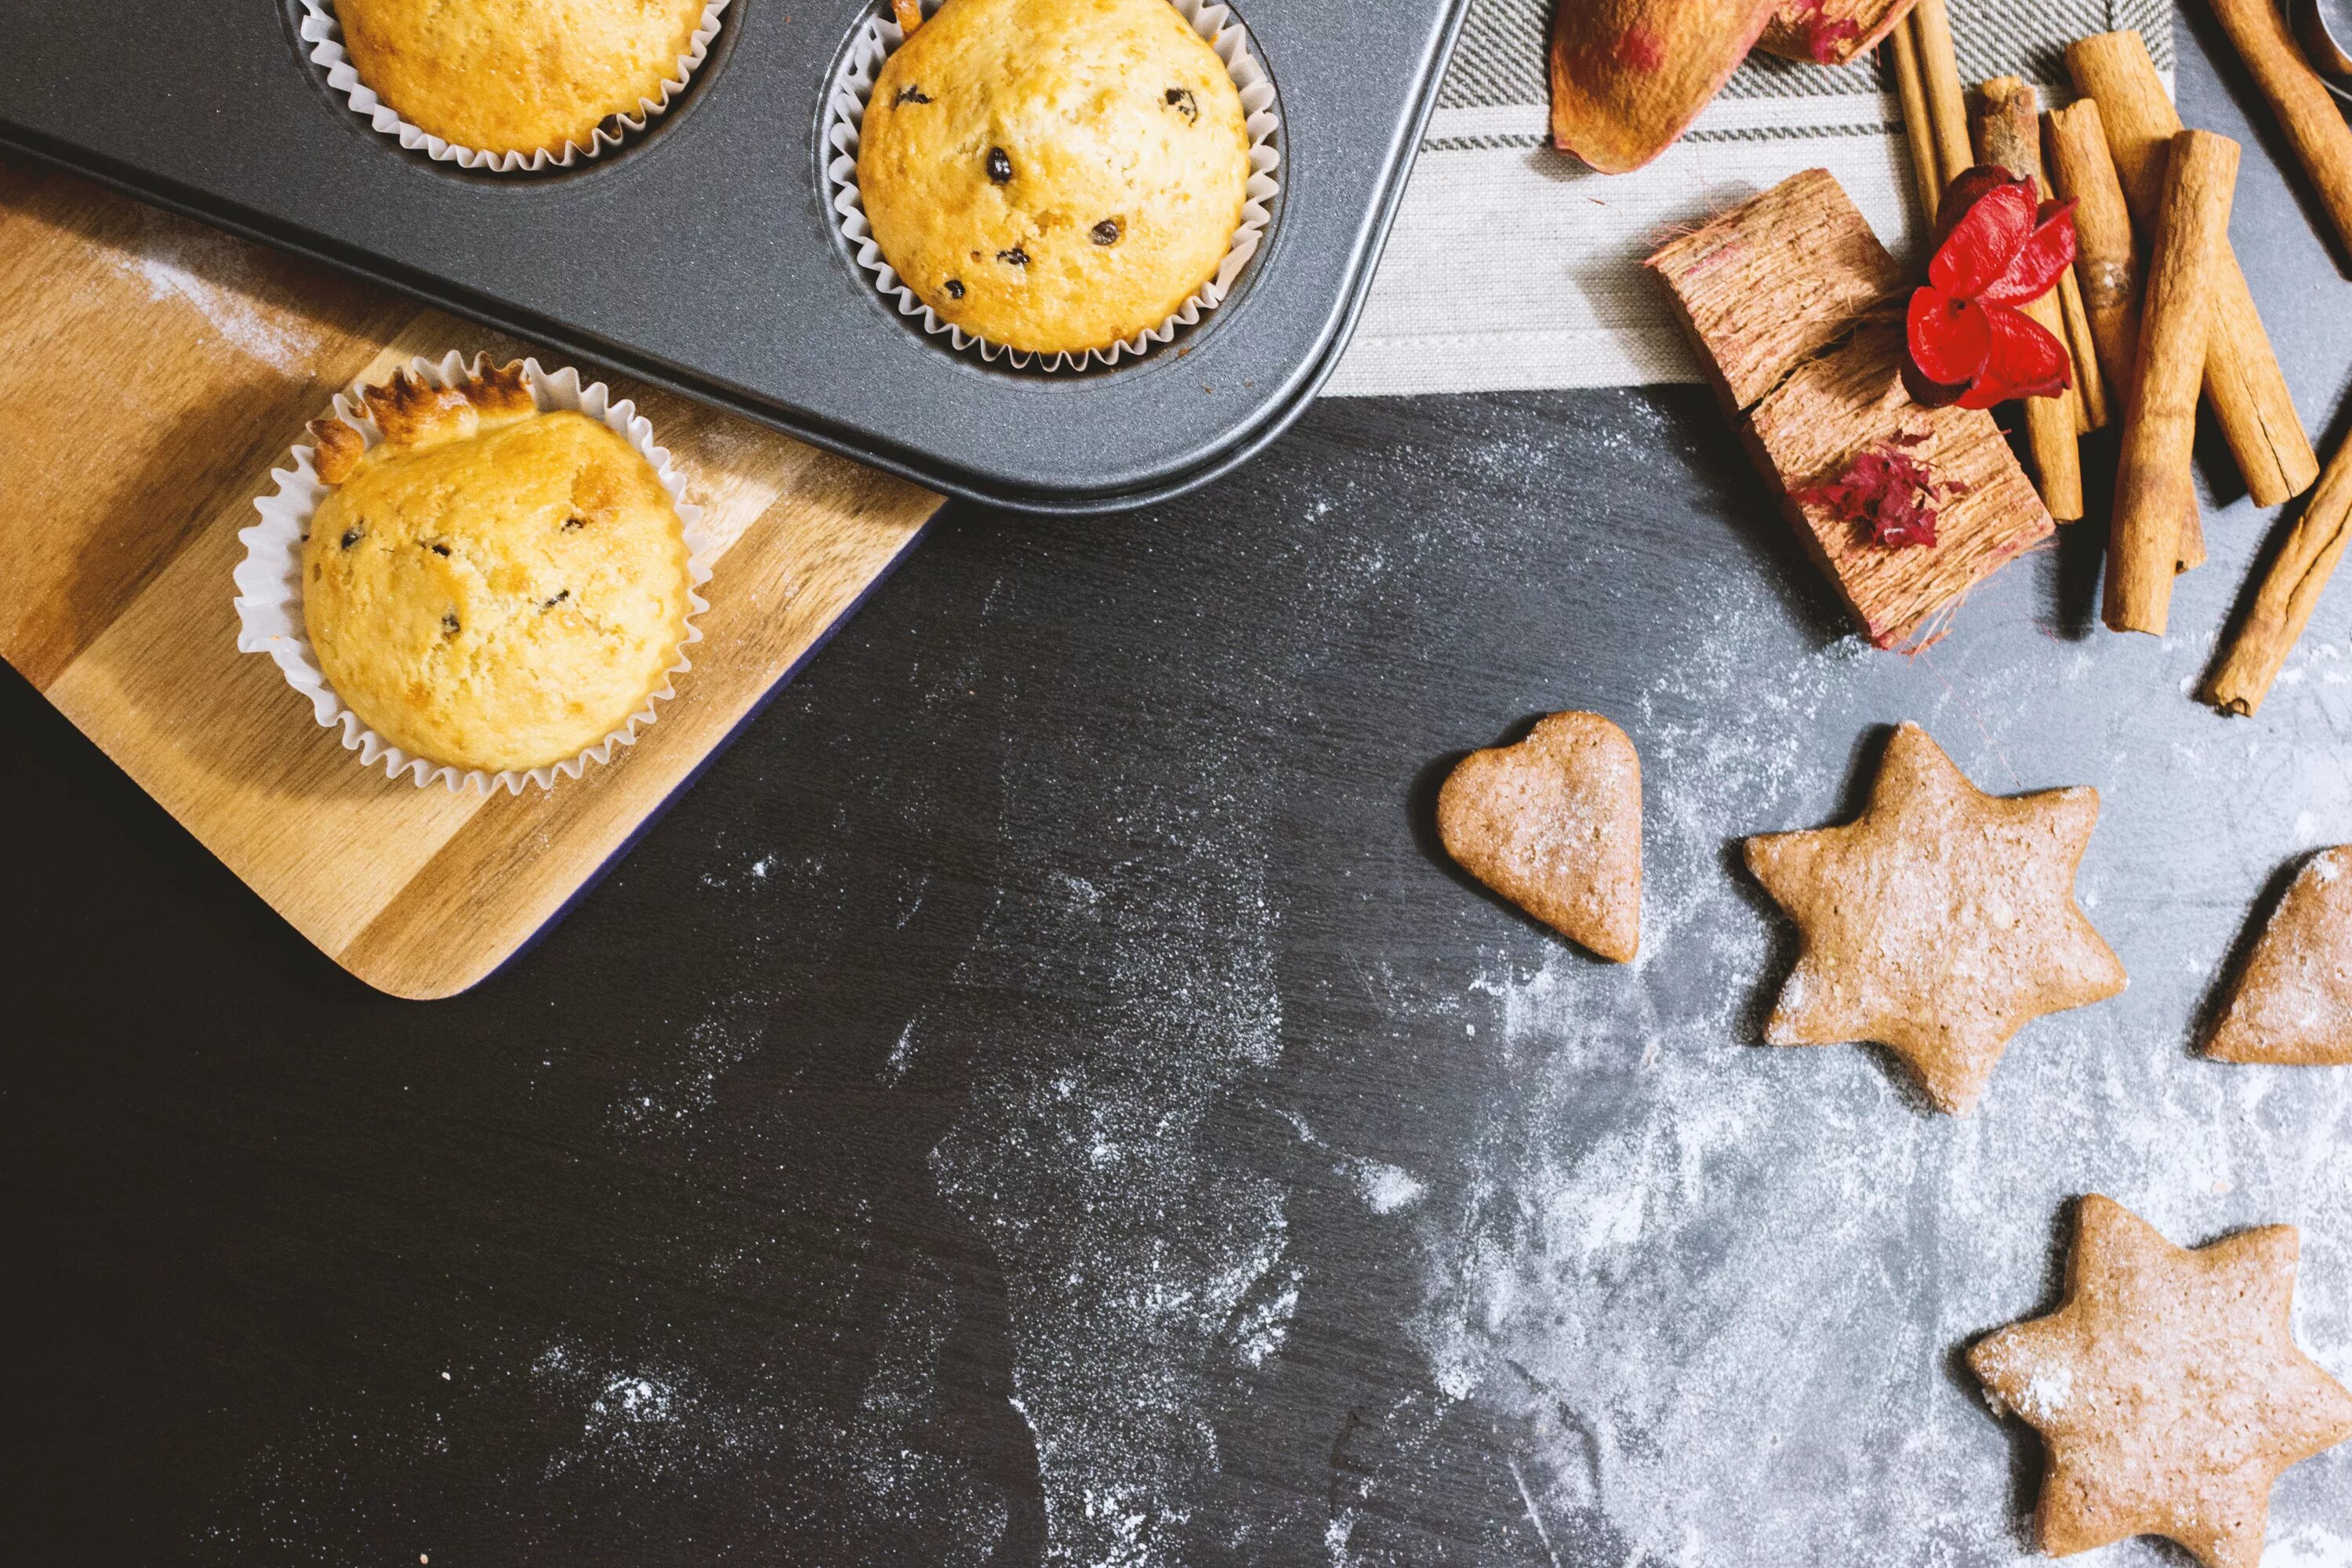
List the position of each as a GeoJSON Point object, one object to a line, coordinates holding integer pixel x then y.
{"type": "Point", "coordinates": [2155, 311]}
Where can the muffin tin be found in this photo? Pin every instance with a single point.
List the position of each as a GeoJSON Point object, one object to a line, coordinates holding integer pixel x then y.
{"type": "Point", "coordinates": [701, 255]}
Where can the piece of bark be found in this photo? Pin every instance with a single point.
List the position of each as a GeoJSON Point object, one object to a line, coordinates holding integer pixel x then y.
{"type": "Point", "coordinates": [1775, 279]}
{"type": "Point", "coordinates": [1628, 76]}
{"type": "Point", "coordinates": [2009, 137]}
{"type": "Point", "coordinates": [1762, 289]}
{"type": "Point", "coordinates": [1554, 824]}
{"type": "Point", "coordinates": [1808, 429]}
{"type": "Point", "coordinates": [2160, 427]}
{"type": "Point", "coordinates": [2306, 110]}
{"type": "Point", "coordinates": [2293, 1002]}
{"type": "Point", "coordinates": [2289, 593]}
{"type": "Point", "coordinates": [1829, 32]}
{"type": "Point", "coordinates": [2242, 379]}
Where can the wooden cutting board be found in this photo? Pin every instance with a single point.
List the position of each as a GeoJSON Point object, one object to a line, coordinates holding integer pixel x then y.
{"type": "Point", "coordinates": [154, 373]}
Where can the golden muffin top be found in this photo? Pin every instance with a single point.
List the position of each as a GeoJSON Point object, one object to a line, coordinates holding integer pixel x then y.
{"type": "Point", "coordinates": [490, 587]}
{"type": "Point", "coordinates": [515, 76]}
{"type": "Point", "coordinates": [1054, 175]}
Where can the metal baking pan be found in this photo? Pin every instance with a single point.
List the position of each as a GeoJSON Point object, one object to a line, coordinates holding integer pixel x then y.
{"type": "Point", "coordinates": [702, 256]}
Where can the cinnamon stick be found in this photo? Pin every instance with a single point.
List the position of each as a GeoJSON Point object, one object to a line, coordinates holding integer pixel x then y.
{"type": "Point", "coordinates": [2010, 139]}
{"type": "Point", "coordinates": [2106, 265]}
{"type": "Point", "coordinates": [2289, 593]}
{"type": "Point", "coordinates": [2306, 110]}
{"type": "Point", "coordinates": [2184, 269]}
{"type": "Point", "coordinates": [2090, 381]}
{"type": "Point", "coordinates": [1918, 128]}
{"type": "Point", "coordinates": [1939, 75]}
{"type": "Point", "coordinates": [2104, 258]}
{"type": "Point", "coordinates": [2242, 380]}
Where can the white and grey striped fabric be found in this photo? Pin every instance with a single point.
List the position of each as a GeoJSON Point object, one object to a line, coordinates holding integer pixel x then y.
{"type": "Point", "coordinates": [1513, 265]}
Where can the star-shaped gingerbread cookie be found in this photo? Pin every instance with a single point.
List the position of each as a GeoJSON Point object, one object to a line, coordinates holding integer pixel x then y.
{"type": "Point", "coordinates": [1941, 923]}
{"type": "Point", "coordinates": [2169, 1388]}
{"type": "Point", "coordinates": [2293, 1002]}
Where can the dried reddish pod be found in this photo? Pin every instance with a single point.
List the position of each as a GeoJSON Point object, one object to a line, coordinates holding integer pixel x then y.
{"type": "Point", "coordinates": [1628, 76]}
{"type": "Point", "coordinates": [1831, 32]}
{"type": "Point", "coordinates": [1997, 247]}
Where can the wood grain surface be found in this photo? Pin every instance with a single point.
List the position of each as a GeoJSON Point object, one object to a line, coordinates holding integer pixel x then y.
{"type": "Point", "coordinates": [157, 372]}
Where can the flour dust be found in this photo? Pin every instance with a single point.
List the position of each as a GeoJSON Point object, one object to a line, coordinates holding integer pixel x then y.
{"type": "Point", "coordinates": [1712, 1293]}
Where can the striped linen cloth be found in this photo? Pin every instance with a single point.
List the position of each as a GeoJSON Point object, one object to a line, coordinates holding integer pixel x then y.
{"type": "Point", "coordinates": [1512, 266]}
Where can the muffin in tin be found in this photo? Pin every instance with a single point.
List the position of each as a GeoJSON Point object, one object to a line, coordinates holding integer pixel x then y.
{"type": "Point", "coordinates": [1054, 175]}
{"type": "Point", "coordinates": [517, 76]}
{"type": "Point", "coordinates": [490, 587]}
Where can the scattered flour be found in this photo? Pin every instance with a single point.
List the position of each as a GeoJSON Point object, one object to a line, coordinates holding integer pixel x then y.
{"type": "Point", "coordinates": [1142, 1272]}
{"type": "Point", "coordinates": [213, 274]}
{"type": "Point", "coordinates": [1712, 1292]}
{"type": "Point", "coordinates": [1387, 1188]}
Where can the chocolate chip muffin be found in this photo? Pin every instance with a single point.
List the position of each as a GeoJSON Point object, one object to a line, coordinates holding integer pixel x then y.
{"type": "Point", "coordinates": [1054, 175]}
{"type": "Point", "coordinates": [490, 587]}
{"type": "Point", "coordinates": [517, 76]}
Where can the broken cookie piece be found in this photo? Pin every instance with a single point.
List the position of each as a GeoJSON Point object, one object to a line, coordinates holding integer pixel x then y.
{"type": "Point", "coordinates": [1939, 924]}
{"type": "Point", "coordinates": [1554, 824]}
{"type": "Point", "coordinates": [2293, 1003]}
{"type": "Point", "coordinates": [2167, 1387]}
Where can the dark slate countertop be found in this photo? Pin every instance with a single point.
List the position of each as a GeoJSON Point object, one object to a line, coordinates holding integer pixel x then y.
{"type": "Point", "coordinates": [1043, 1097]}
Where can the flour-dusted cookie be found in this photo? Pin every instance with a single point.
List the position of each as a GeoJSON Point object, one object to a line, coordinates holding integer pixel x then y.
{"type": "Point", "coordinates": [2168, 1388]}
{"type": "Point", "coordinates": [2293, 1003]}
{"type": "Point", "coordinates": [1941, 923]}
{"type": "Point", "coordinates": [1554, 824]}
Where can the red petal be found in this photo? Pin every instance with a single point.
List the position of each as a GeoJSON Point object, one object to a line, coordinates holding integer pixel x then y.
{"type": "Point", "coordinates": [2025, 360]}
{"type": "Point", "coordinates": [1962, 194]}
{"type": "Point", "coordinates": [1949, 339]}
{"type": "Point", "coordinates": [1985, 240]}
{"type": "Point", "coordinates": [2048, 252]}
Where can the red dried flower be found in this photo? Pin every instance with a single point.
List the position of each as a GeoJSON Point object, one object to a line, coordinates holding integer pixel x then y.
{"type": "Point", "coordinates": [1888, 492]}
{"type": "Point", "coordinates": [1997, 248]}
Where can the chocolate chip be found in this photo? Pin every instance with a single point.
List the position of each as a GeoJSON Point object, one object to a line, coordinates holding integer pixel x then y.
{"type": "Point", "coordinates": [955, 287]}
{"type": "Point", "coordinates": [1017, 256]}
{"type": "Point", "coordinates": [449, 623]}
{"type": "Point", "coordinates": [573, 525]}
{"type": "Point", "coordinates": [352, 536]}
{"type": "Point", "coordinates": [561, 594]}
{"type": "Point", "coordinates": [438, 548]}
{"type": "Point", "coordinates": [1000, 166]}
{"type": "Point", "coordinates": [909, 95]}
{"type": "Point", "coordinates": [1107, 232]}
{"type": "Point", "coordinates": [1181, 100]}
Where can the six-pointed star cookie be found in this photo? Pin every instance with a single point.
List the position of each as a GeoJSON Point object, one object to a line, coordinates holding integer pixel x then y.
{"type": "Point", "coordinates": [1941, 923]}
{"type": "Point", "coordinates": [2168, 1388]}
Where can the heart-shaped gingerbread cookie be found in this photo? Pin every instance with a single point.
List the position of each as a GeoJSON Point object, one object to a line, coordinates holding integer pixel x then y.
{"type": "Point", "coordinates": [1554, 824]}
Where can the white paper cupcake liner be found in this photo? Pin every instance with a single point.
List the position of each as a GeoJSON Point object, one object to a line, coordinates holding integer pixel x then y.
{"type": "Point", "coordinates": [845, 112]}
{"type": "Point", "coordinates": [270, 578]}
{"type": "Point", "coordinates": [324, 36]}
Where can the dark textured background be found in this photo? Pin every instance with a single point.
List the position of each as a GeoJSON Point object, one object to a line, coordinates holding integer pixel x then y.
{"type": "Point", "coordinates": [948, 1136]}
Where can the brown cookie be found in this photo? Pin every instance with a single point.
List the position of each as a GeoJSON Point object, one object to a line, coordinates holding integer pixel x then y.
{"type": "Point", "coordinates": [2168, 1388]}
{"type": "Point", "coordinates": [1941, 923]}
{"type": "Point", "coordinates": [2294, 1000]}
{"type": "Point", "coordinates": [1554, 824]}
